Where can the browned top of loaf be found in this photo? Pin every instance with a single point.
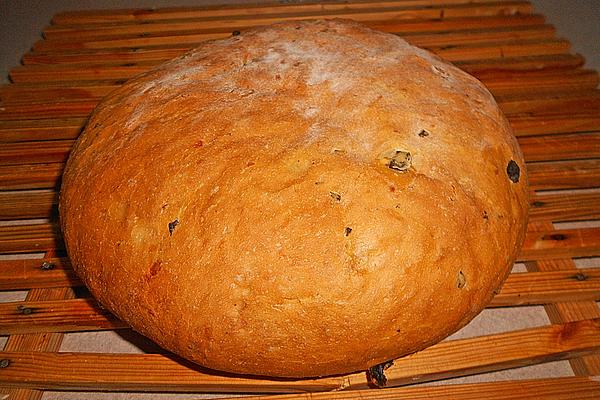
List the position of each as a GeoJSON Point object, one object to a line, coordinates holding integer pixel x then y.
{"type": "Point", "coordinates": [237, 204]}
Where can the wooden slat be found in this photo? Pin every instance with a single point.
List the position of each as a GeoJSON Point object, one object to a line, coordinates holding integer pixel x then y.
{"type": "Point", "coordinates": [564, 207]}
{"type": "Point", "coordinates": [37, 273]}
{"type": "Point", "coordinates": [29, 94]}
{"type": "Point", "coordinates": [37, 342]}
{"type": "Point", "coordinates": [102, 57]}
{"type": "Point", "coordinates": [155, 372]}
{"type": "Point", "coordinates": [569, 311]}
{"type": "Point", "coordinates": [528, 126]}
{"type": "Point", "coordinates": [100, 17]}
{"type": "Point", "coordinates": [486, 353]}
{"type": "Point", "coordinates": [28, 204]}
{"type": "Point", "coordinates": [40, 129]}
{"type": "Point", "coordinates": [508, 84]}
{"type": "Point", "coordinates": [35, 152]}
{"type": "Point", "coordinates": [55, 316]}
{"type": "Point", "coordinates": [15, 112]}
{"type": "Point", "coordinates": [548, 287]}
{"type": "Point", "coordinates": [551, 104]}
{"type": "Point", "coordinates": [564, 243]}
{"type": "Point", "coordinates": [561, 147]}
{"type": "Point", "coordinates": [564, 388]}
{"type": "Point", "coordinates": [85, 314]}
{"type": "Point", "coordinates": [29, 238]}
{"type": "Point", "coordinates": [34, 176]}
{"type": "Point", "coordinates": [576, 174]}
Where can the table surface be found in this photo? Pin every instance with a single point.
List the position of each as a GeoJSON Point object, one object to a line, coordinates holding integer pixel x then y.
{"type": "Point", "coordinates": [551, 101]}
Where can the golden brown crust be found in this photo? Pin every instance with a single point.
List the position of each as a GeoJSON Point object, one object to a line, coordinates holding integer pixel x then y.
{"type": "Point", "coordinates": [306, 199]}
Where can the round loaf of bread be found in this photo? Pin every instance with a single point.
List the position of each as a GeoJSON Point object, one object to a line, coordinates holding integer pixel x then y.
{"type": "Point", "coordinates": [305, 199]}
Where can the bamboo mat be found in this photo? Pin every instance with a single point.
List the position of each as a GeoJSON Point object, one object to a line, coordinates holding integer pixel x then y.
{"type": "Point", "coordinates": [551, 101]}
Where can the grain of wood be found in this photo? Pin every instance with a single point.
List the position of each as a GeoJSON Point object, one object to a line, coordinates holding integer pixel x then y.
{"type": "Point", "coordinates": [156, 372]}
{"type": "Point", "coordinates": [29, 238]}
{"type": "Point", "coordinates": [550, 124]}
{"type": "Point", "coordinates": [561, 147]}
{"type": "Point", "coordinates": [44, 93]}
{"type": "Point", "coordinates": [55, 316]}
{"type": "Point", "coordinates": [35, 152]}
{"type": "Point", "coordinates": [548, 287]}
{"type": "Point", "coordinates": [564, 207]}
{"type": "Point", "coordinates": [25, 111]}
{"type": "Point", "coordinates": [564, 243]}
{"type": "Point", "coordinates": [587, 101]}
{"type": "Point", "coordinates": [32, 176]}
{"type": "Point", "coordinates": [577, 174]}
{"type": "Point", "coordinates": [40, 129]}
{"type": "Point", "coordinates": [28, 204]}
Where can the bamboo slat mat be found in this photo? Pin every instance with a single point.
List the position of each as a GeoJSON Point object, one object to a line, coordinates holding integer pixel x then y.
{"type": "Point", "coordinates": [550, 99]}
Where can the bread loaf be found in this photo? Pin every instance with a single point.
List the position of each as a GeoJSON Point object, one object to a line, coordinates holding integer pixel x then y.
{"type": "Point", "coordinates": [304, 199]}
